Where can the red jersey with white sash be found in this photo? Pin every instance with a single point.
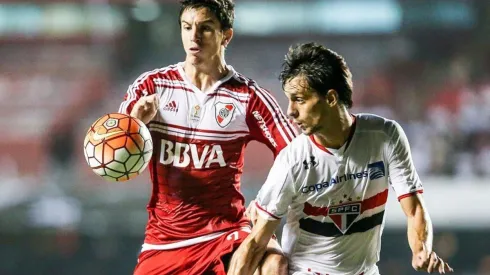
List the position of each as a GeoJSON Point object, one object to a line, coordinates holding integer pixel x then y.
{"type": "Point", "coordinates": [199, 142]}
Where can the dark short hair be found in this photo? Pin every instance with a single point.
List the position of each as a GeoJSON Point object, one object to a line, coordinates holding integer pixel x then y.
{"type": "Point", "coordinates": [322, 68]}
{"type": "Point", "coordinates": [224, 10]}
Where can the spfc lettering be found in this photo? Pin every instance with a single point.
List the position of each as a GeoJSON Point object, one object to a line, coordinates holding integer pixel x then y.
{"type": "Point", "coordinates": [344, 216]}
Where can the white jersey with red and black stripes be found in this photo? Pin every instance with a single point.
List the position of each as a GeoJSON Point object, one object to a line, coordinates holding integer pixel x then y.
{"type": "Point", "coordinates": [335, 199]}
{"type": "Point", "coordinates": [199, 139]}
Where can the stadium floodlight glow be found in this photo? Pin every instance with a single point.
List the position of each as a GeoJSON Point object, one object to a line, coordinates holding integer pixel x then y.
{"type": "Point", "coordinates": [322, 17]}
{"type": "Point", "coordinates": [146, 10]}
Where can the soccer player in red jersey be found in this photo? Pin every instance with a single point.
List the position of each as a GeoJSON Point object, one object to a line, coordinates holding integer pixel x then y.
{"type": "Point", "coordinates": [201, 114]}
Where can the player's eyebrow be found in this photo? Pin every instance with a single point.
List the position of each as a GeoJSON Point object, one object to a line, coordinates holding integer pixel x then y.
{"type": "Point", "coordinates": [200, 23]}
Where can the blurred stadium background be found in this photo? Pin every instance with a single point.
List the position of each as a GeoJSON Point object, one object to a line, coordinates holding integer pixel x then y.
{"type": "Point", "coordinates": [65, 63]}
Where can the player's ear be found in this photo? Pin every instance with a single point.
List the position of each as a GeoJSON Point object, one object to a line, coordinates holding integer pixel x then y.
{"type": "Point", "coordinates": [332, 97]}
{"type": "Point", "coordinates": [227, 36]}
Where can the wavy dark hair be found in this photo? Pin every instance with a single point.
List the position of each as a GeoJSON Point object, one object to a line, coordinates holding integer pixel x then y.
{"type": "Point", "coordinates": [224, 10]}
{"type": "Point", "coordinates": [323, 69]}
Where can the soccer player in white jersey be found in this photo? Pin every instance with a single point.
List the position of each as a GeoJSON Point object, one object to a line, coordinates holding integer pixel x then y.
{"type": "Point", "coordinates": [201, 114]}
{"type": "Point", "coordinates": [332, 182]}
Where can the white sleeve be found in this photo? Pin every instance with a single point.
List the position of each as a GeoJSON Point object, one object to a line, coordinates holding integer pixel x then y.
{"type": "Point", "coordinates": [278, 191]}
{"type": "Point", "coordinates": [401, 170]}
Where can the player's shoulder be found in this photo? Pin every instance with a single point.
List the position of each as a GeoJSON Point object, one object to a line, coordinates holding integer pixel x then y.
{"type": "Point", "coordinates": [375, 124]}
{"type": "Point", "coordinates": [296, 151]}
{"type": "Point", "coordinates": [249, 85]}
{"type": "Point", "coordinates": [169, 72]}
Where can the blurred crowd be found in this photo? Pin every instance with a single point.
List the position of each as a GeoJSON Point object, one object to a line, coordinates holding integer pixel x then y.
{"type": "Point", "coordinates": [56, 214]}
{"type": "Point", "coordinates": [444, 107]}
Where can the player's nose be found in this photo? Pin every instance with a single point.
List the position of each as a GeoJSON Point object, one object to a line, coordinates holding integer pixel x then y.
{"type": "Point", "coordinates": [195, 35]}
{"type": "Point", "coordinates": [292, 112]}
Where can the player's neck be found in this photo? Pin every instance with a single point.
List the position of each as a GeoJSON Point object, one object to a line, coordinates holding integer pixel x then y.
{"type": "Point", "coordinates": [205, 75]}
{"type": "Point", "coordinates": [338, 131]}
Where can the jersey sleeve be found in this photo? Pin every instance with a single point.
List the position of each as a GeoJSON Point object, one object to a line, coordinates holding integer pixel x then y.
{"type": "Point", "coordinates": [142, 86]}
{"type": "Point", "coordinates": [278, 191]}
{"type": "Point", "coordinates": [403, 176]}
{"type": "Point", "coordinates": [266, 121]}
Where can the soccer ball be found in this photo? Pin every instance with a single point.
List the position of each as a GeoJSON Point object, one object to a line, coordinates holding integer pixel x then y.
{"type": "Point", "coordinates": [118, 147]}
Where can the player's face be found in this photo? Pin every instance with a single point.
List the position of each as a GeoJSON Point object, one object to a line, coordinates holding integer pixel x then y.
{"type": "Point", "coordinates": [306, 107]}
{"type": "Point", "coordinates": [202, 36]}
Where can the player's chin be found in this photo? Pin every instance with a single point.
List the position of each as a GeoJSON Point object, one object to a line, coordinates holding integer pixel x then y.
{"type": "Point", "coordinates": [307, 131]}
{"type": "Point", "coordinates": [195, 59]}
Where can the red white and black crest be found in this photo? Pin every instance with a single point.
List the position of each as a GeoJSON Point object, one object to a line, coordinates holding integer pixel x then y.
{"type": "Point", "coordinates": [224, 113]}
{"type": "Point", "coordinates": [343, 216]}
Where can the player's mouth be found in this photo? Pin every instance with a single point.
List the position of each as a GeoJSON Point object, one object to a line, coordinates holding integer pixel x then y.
{"type": "Point", "coordinates": [195, 50]}
{"type": "Point", "coordinates": [300, 125]}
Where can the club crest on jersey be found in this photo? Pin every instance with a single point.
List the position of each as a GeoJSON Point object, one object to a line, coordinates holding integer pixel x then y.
{"type": "Point", "coordinates": [224, 113]}
{"type": "Point", "coordinates": [343, 216]}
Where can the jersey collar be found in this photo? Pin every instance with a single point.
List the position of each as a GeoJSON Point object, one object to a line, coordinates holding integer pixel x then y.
{"type": "Point", "coordinates": [180, 68]}
{"type": "Point", "coordinates": [344, 147]}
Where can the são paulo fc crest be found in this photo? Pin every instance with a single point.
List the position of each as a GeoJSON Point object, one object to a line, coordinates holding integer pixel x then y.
{"type": "Point", "coordinates": [343, 216]}
{"type": "Point", "coordinates": [224, 113]}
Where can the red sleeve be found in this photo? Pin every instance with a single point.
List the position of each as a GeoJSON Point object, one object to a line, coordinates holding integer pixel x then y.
{"type": "Point", "coordinates": [266, 121]}
{"type": "Point", "coordinates": [142, 86]}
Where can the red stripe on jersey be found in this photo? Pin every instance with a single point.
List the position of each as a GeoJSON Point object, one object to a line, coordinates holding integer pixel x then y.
{"type": "Point", "coordinates": [311, 210]}
{"type": "Point", "coordinates": [369, 203]}
{"type": "Point", "coordinates": [283, 121]}
{"type": "Point", "coordinates": [227, 95]}
{"type": "Point", "coordinates": [410, 194]}
{"type": "Point", "coordinates": [375, 201]}
{"type": "Point", "coordinates": [312, 138]}
{"type": "Point", "coordinates": [235, 84]}
{"type": "Point", "coordinates": [198, 130]}
{"type": "Point", "coordinates": [270, 214]}
{"type": "Point", "coordinates": [272, 106]}
{"type": "Point", "coordinates": [176, 136]}
{"type": "Point", "coordinates": [169, 86]}
{"type": "Point", "coordinates": [144, 85]}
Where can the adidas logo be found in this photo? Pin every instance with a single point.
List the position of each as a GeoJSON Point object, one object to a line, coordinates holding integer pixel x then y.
{"type": "Point", "coordinates": [171, 107]}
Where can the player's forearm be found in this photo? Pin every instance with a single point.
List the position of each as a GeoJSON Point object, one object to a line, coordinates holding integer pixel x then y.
{"type": "Point", "coordinates": [247, 258]}
{"type": "Point", "coordinates": [419, 230]}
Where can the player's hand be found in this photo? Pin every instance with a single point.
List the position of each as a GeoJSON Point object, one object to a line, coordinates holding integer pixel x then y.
{"type": "Point", "coordinates": [146, 108]}
{"type": "Point", "coordinates": [251, 212]}
{"type": "Point", "coordinates": [423, 261]}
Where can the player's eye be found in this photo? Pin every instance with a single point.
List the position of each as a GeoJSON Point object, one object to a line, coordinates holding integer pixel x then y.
{"type": "Point", "coordinates": [187, 28]}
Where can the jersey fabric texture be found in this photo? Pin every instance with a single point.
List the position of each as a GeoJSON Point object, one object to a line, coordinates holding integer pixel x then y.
{"type": "Point", "coordinates": [335, 199]}
{"type": "Point", "coordinates": [208, 258]}
{"type": "Point", "coordinates": [199, 139]}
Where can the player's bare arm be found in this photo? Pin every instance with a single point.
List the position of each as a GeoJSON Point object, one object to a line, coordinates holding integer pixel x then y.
{"type": "Point", "coordinates": [145, 108]}
{"type": "Point", "coordinates": [247, 257]}
{"type": "Point", "coordinates": [420, 236]}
